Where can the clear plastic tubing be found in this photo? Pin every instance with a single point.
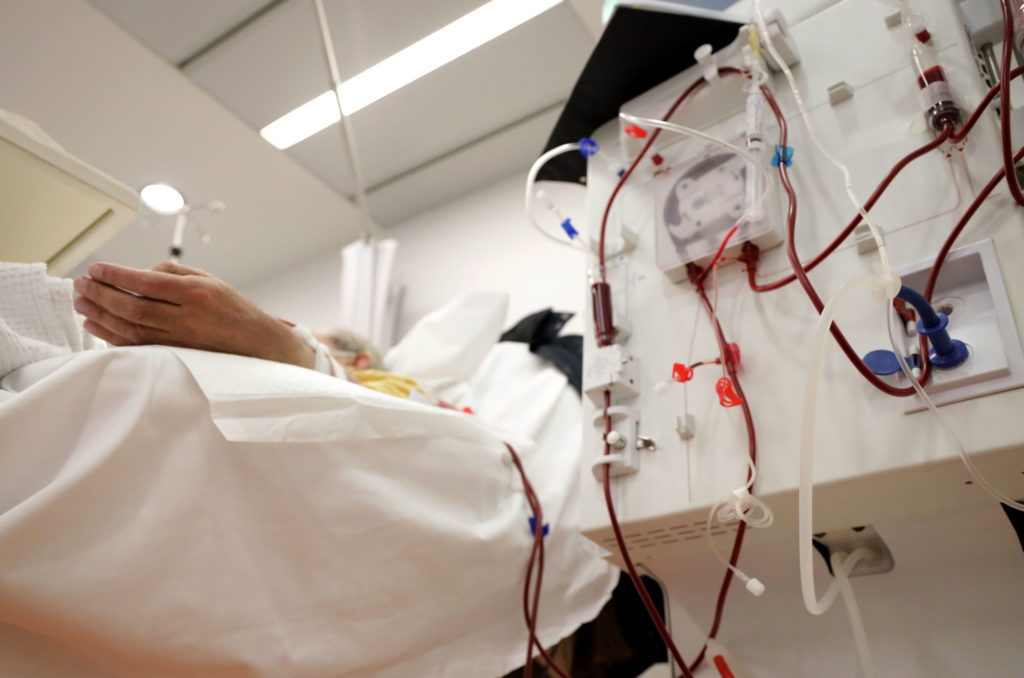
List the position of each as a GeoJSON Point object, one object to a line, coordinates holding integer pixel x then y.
{"type": "Point", "coordinates": [936, 96]}
{"type": "Point", "coordinates": [531, 180]}
{"type": "Point", "coordinates": [755, 146]}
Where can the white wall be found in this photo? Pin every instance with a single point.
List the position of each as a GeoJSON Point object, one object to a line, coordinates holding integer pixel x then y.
{"type": "Point", "coordinates": [306, 293]}
{"type": "Point", "coordinates": [484, 242]}
{"type": "Point", "coordinates": [480, 242]}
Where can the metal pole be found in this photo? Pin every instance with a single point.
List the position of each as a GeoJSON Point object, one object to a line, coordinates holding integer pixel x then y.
{"type": "Point", "coordinates": [178, 237]}
{"type": "Point", "coordinates": [348, 137]}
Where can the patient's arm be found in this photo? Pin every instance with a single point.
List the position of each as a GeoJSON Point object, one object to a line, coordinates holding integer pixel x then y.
{"type": "Point", "coordinates": [180, 306]}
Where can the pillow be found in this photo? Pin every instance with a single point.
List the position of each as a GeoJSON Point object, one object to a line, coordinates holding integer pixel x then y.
{"type": "Point", "coordinates": [447, 345]}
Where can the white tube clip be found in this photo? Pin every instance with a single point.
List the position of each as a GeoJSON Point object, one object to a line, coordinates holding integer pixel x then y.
{"type": "Point", "coordinates": [706, 59]}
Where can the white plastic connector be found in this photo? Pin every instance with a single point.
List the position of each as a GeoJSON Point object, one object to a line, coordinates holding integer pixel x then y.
{"type": "Point", "coordinates": [916, 24]}
{"type": "Point", "coordinates": [706, 60]}
{"type": "Point", "coordinates": [894, 17]}
{"type": "Point", "coordinates": [740, 498]}
{"type": "Point", "coordinates": [685, 426]}
{"type": "Point", "coordinates": [982, 20]}
{"type": "Point", "coordinates": [782, 40]}
{"type": "Point", "coordinates": [618, 463]}
{"type": "Point", "coordinates": [610, 368]}
{"type": "Point", "coordinates": [623, 330]}
{"type": "Point", "coordinates": [839, 92]}
{"type": "Point", "coordinates": [661, 388]}
{"type": "Point", "coordinates": [626, 242]}
{"type": "Point", "coordinates": [865, 239]}
{"type": "Point", "coordinates": [629, 240]}
{"type": "Point", "coordinates": [1017, 122]}
{"type": "Point", "coordinates": [621, 438]}
{"type": "Point", "coordinates": [752, 584]}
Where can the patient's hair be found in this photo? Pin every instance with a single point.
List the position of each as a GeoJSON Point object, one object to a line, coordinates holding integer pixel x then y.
{"type": "Point", "coordinates": [344, 339]}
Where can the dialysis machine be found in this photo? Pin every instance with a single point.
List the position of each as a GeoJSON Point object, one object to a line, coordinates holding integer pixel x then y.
{"type": "Point", "coordinates": [878, 81]}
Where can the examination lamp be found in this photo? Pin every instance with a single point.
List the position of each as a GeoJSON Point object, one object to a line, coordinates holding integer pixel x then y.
{"type": "Point", "coordinates": [167, 200]}
{"type": "Point", "coordinates": [162, 199]}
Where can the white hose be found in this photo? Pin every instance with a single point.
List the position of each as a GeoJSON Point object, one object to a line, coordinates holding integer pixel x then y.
{"type": "Point", "coordinates": [531, 179]}
{"type": "Point", "coordinates": [943, 424]}
{"type": "Point", "coordinates": [842, 565]}
{"type": "Point", "coordinates": [805, 530]}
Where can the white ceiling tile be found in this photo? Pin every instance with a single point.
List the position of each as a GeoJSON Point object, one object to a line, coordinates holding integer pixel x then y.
{"type": "Point", "coordinates": [515, 76]}
{"type": "Point", "coordinates": [368, 31]}
{"type": "Point", "coordinates": [276, 64]}
{"type": "Point", "coordinates": [177, 30]}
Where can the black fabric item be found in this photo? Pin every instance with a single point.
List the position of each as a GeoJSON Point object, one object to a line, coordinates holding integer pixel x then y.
{"type": "Point", "coordinates": [540, 330]}
{"type": "Point", "coordinates": [537, 328]}
{"type": "Point", "coordinates": [566, 354]}
{"type": "Point", "coordinates": [1017, 520]}
{"type": "Point", "coordinates": [637, 50]}
{"type": "Point", "coordinates": [622, 641]}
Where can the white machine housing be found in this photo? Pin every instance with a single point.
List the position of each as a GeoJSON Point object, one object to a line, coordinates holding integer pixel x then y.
{"type": "Point", "coordinates": [874, 462]}
{"type": "Point", "coordinates": [698, 190]}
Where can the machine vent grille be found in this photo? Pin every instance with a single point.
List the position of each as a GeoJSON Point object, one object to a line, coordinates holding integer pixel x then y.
{"type": "Point", "coordinates": [672, 534]}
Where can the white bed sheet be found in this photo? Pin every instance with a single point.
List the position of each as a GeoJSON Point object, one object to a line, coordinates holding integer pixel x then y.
{"type": "Point", "coordinates": [166, 512]}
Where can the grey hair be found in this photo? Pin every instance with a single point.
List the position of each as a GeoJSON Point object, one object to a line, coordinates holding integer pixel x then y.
{"type": "Point", "coordinates": [344, 339]}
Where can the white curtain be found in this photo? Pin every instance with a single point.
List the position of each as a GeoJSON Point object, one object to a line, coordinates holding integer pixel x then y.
{"type": "Point", "coordinates": [370, 297]}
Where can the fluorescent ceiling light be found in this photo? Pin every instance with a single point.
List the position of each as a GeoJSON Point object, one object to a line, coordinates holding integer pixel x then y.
{"type": "Point", "coordinates": [398, 70]}
{"type": "Point", "coordinates": [162, 199]}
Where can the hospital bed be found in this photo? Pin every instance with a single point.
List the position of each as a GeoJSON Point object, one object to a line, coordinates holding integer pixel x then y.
{"type": "Point", "coordinates": [170, 512]}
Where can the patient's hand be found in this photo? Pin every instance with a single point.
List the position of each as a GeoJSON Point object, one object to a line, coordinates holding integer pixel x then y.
{"type": "Point", "coordinates": [180, 306]}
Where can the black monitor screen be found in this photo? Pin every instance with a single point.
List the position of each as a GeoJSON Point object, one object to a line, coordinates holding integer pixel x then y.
{"type": "Point", "coordinates": [639, 48]}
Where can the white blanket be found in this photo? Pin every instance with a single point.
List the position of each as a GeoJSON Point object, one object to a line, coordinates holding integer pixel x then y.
{"type": "Point", "coordinates": [171, 512]}
{"type": "Point", "coordinates": [36, 317]}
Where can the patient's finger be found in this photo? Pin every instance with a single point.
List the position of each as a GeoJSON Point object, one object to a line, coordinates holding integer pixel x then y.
{"type": "Point", "coordinates": [151, 284]}
{"type": "Point", "coordinates": [127, 333]}
{"type": "Point", "coordinates": [135, 310]}
{"type": "Point", "coordinates": [178, 269]}
{"type": "Point", "coordinates": [103, 333]}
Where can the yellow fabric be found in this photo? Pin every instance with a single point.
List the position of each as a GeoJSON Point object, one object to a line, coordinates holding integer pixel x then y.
{"type": "Point", "coordinates": [385, 382]}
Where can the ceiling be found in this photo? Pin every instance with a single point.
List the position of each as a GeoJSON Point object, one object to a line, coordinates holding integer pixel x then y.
{"type": "Point", "coordinates": [480, 118]}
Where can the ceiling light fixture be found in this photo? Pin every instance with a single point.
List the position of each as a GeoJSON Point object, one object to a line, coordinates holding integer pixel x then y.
{"type": "Point", "coordinates": [162, 198]}
{"type": "Point", "coordinates": [398, 70]}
